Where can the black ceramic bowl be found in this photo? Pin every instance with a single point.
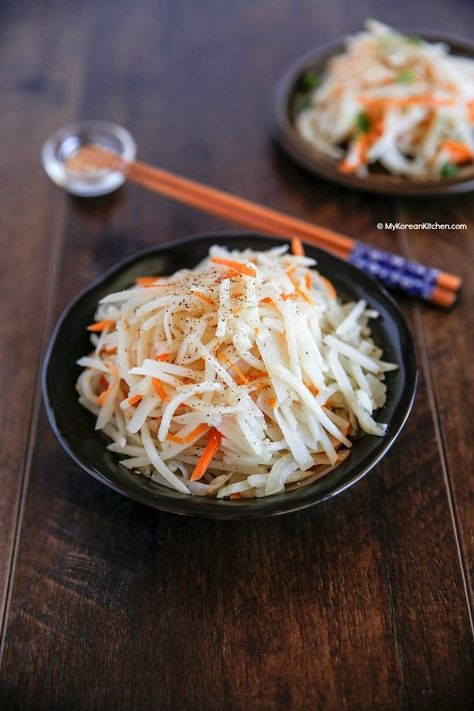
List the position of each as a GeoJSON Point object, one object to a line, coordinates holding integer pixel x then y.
{"type": "Point", "coordinates": [287, 137]}
{"type": "Point", "coordinates": [74, 426]}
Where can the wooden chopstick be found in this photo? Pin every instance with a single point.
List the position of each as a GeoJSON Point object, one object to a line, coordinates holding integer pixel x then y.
{"type": "Point", "coordinates": [239, 210]}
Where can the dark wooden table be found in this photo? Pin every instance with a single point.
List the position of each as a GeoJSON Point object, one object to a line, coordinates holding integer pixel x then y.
{"type": "Point", "coordinates": [361, 603]}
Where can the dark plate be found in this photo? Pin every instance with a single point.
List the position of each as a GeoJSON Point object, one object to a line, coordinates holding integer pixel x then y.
{"type": "Point", "coordinates": [74, 426]}
{"type": "Point", "coordinates": [296, 147]}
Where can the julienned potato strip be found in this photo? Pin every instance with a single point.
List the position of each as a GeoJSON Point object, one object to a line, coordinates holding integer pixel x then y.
{"type": "Point", "coordinates": [240, 378]}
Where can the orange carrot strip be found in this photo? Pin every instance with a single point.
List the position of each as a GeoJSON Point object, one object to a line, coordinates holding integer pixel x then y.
{"type": "Point", "coordinates": [313, 389]}
{"type": "Point", "coordinates": [207, 455]}
{"type": "Point", "coordinates": [349, 165]}
{"type": "Point", "coordinates": [421, 100]}
{"type": "Point", "coordinates": [308, 282]}
{"type": "Point", "coordinates": [329, 287]}
{"type": "Point", "coordinates": [470, 108]}
{"type": "Point", "coordinates": [196, 432]}
{"type": "Point", "coordinates": [297, 247]}
{"type": "Point", "coordinates": [234, 367]}
{"type": "Point", "coordinates": [226, 275]}
{"type": "Point", "coordinates": [134, 399]}
{"type": "Point", "coordinates": [163, 356]}
{"type": "Point", "coordinates": [159, 389]}
{"type": "Point", "coordinates": [237, 266]}
{"type": "Point", "coordinates": [255, 376]}
{"type": "Point", "coordinates": [145, 280]}
{"type": "Point", "coordinates": [101, 325]}
{"type": "Point", "coordinates": [298, 290]}
{"type": "Point", "coordinates": [205, 298]}
{"type": "Point", "coordinates": [103, 382]}
{"type": "Point", "coordinates": [103, 397]}
{"type": "Point", "coordinates": [241, 375]}
{"type": "Point", "coordinates": [236, 495]}
{"type": "Point", "coordinates": [110, 349]}
{"type": "Point", "coordinates": [460, 153]}
{"type": "Point", "coordinates": [272, 402]}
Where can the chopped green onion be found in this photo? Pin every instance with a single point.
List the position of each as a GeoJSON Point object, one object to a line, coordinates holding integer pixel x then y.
{"type": "Point", "coordinates": [414, 39]}
{"type": "Point", "coordinates": [406, 76]}
{"type": "Point", "coordinates": [363, 122]}
{"type": "Point", "coordinates": [311, 80]}
{"type": "Point", "coordinates": [449, 170]}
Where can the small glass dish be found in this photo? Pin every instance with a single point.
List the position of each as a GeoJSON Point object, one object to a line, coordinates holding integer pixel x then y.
{"type": "Point", "coordinates": [58, 150]}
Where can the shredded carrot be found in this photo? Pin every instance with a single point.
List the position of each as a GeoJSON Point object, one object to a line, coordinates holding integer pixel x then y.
{"type": "Point", "coordinates": [103, 397]}
{"type": "Point", "coordinates": [235, 367]}
{"type": "Point", "coordinates": [470, 108]}
{"type": "Point", "coordinates": [101, 325]}
{"type": "Point", "coordinates": [206, 457]}
{"type": "Point", "coordinates": [205, 298]}
{"type": "Point", "coordinates": [145, 280]}
{"type": "Point", "coordinates": [163, 356]}
{"type": "Point", "coordinates": [103, 382]}
{"type": "Point", "coordinates": [272, 402]}
{"type": "Point", "coordinates": [110, 349]}
{"type": "Point", "coordinates": [299, 291]}
{"type": "Point", "coordinates": [255, 376]}
{"type": "Point", "coordinates": [241, 375]}
{"type": "Point", "coordinates": [421, 100]}
{"type": "Point", "coordinates": [460, 153]}
{"type": "Point", "coordinates": [329, 287]}
{"type": "Point", "coordinates": [308, 282]}
{"type": "Point", "coordinates": [236, 495]}
{"type": "Point", "coordinates": [226, 275]}
{"type": "Point", "coordinates": [291, 269]}
{"type": "Point", "coordinates": [134, 399]}
{"type": "Point", "coordinates": [313, 389]}
{"type": "Point", "coordinates": [297, 247]}
{"type": "Point", "coordinates": [361, 144]}
{"type": "Point", "coordinates": [159, 389]}
{"type": "Point", "coordinates": [196, 432]}
{"type": "Point", "coordinates": [237, 266]}
{"type": "Point", "coordinates": [267, 300]}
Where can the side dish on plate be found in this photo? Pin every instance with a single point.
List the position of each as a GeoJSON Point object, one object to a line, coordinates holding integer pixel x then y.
{"type": "Point", "coordinates": [390, 101]}
{"type": "Point", "coordinates": [240, 378]}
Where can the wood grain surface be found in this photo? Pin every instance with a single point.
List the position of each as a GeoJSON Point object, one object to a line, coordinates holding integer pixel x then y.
{"type": "Point", "coordinates": [364, 602]}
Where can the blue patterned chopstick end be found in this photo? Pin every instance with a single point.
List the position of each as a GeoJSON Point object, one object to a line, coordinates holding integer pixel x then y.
{"type": "Point", "coordinates": [395, 271]}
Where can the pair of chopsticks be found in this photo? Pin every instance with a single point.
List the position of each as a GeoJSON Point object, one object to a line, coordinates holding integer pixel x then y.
{"type": "Point", "coordinates": [394, 271]}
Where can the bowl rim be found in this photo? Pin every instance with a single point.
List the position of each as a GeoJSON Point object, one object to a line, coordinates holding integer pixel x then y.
{"type": "Point", "coordinates": [287, 138]}
{"type": "Point", "coordinates": [206, 507]}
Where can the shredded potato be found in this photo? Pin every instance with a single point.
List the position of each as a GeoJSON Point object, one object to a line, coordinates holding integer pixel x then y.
{"type": "Point", "coordinates": [233, 382]}
{"type": "Point", "coordinates": [394, 100]}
